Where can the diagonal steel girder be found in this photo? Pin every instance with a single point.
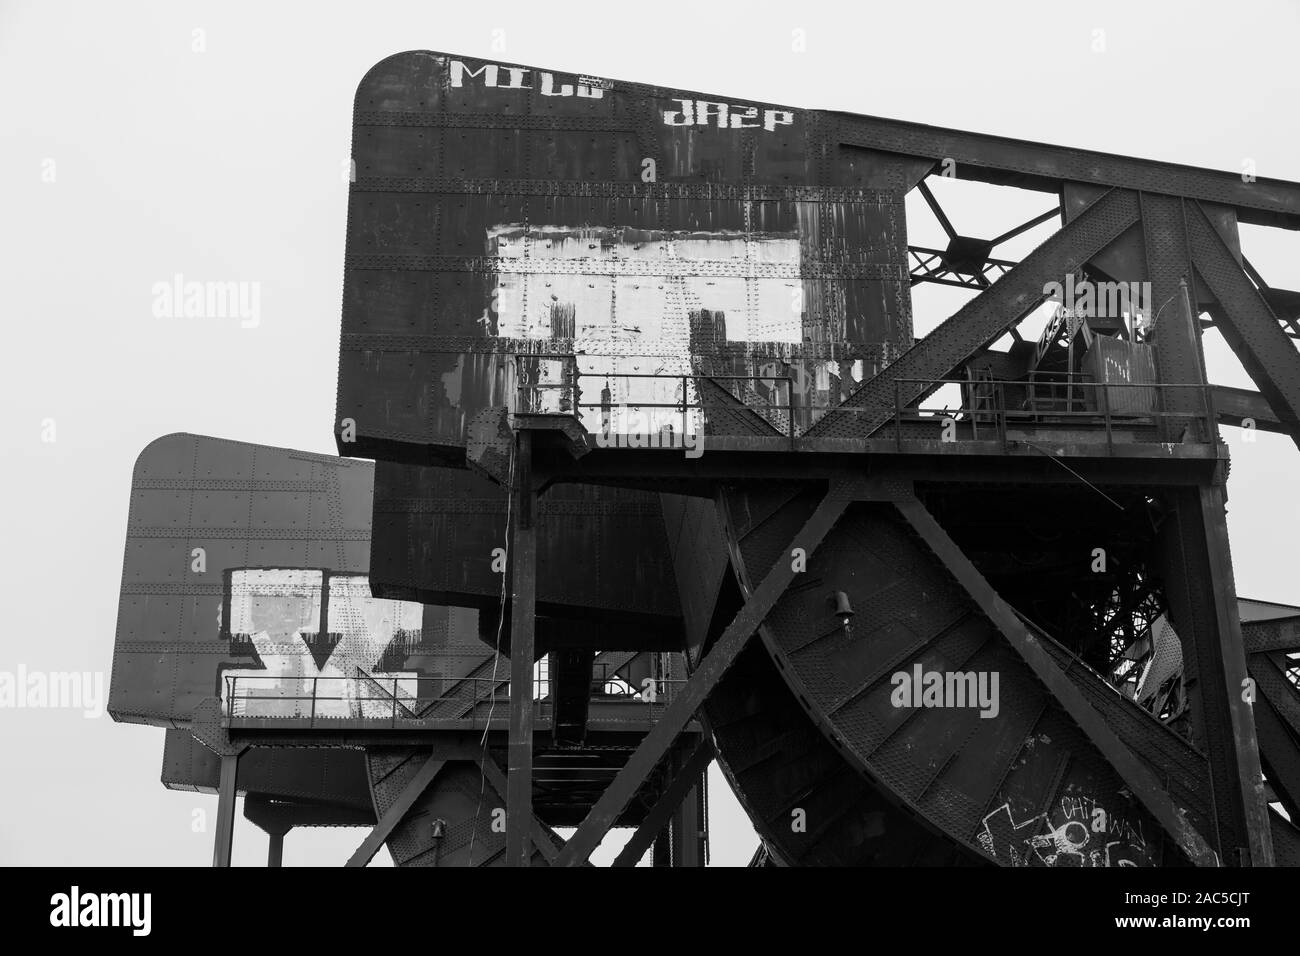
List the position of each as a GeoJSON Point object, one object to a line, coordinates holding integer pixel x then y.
{"type": "Point", "coordinates": [394, 814]}
{"type": "Point", "coordinates": [684, 781]}
{"type": "Point", "coordinates": [540, 838]}
{"type": "Point", "coordinates": [1277, 703]}
{"type": "Point", "coordinates": [712, 668]}
{"type": "Point", "coordinates": [983, 318]}
{"type": "Point", "coordinates": [1248, 325]}
{"type": "Point", "coordinates": [1139, 778]}
{"type": "Point", "coordinates": [1277, 724]}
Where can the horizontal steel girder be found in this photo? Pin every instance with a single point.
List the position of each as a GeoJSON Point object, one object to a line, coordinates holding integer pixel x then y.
{"type": "Point", "coordinates": [1005, 161]}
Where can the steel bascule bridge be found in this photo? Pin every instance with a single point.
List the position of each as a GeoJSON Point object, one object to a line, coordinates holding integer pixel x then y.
{"type": "Point", "coordinates": [631, 412]}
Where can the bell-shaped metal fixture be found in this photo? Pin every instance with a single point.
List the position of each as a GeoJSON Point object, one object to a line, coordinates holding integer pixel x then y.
{"type": "Point", "coordinates": [843, 609]}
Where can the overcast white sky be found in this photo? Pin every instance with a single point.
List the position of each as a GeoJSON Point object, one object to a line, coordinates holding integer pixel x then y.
{"type": "Point", "coordinates": [228, 165]}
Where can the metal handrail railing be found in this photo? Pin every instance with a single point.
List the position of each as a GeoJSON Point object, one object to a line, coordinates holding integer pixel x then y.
{"type": "Point", "coordinates": [1066, 400]}
{"type": "Point", "coordinates": [684, 407]}
{"type": "Point", "coordinates": [390, 701]}
{"type": "Point", "coordinates": [1103, 414]}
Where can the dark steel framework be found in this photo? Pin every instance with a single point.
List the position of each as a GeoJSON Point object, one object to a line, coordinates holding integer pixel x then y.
{"type": "Point", "coordinates": [531, 254]}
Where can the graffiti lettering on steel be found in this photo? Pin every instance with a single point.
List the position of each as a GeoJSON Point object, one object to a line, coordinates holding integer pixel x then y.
{"type": "Point", "coordinates": [1077, 831]}
{"type": "Point", "coordinates": [500, 77]}
{"type": "Point", "coordinates": [725, 115]}
{"type": "Point", "coordinates": [525, 225]}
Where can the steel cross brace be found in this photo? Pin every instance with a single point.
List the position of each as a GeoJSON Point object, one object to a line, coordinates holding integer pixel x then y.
{"type": "Point", "coordinates": [983, 318]}
{"type": "Point", "coordinates": [1278, 746]}
{"type": "Point", "coordinates": [711, 669]}
{"type": "Point", "coordinates": [540, 839]}
{"type": "Point", "coordinates": [1135, 774]}
{"type": "Point", "coordinates": [1249, 325]}
{"type": "Point", "coordinates": [427, 773]}
{"type": "Point", "coordinates": [686, 779]}
{"type": "Point", "coordinates": [1260, 637]}
{"type": "Point", "coordinates": [393, 815]}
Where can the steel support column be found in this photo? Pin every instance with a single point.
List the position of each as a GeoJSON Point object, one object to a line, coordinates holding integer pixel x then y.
{"type": "Point", "coordinates": [1232, 654]}
{"type": "Point", "coordinates": [275, 849]}
{"type": "Point", "coordinates": [688, 826]}
{"type": "Point", "coordinates": [541, 838]}
{"type": "Point", "coordinates": [1177, 334]}
{"type": "Point", "coordinates": [226, 794]}
{"type": "Point", "coordinates": [1199, 585]}
{"type": "Point", "coordinates": [714, 665]}
{"type": "Point", "coordinates": [523, 604]}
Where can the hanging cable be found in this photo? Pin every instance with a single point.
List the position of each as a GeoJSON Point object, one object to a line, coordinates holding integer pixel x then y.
{"type": "Point", "coordinates": [496, 653]}
{"type": "Point", "coordinates": [1075, 473]}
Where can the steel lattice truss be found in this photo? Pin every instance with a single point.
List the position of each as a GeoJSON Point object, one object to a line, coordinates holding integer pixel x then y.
{"type": "Point", "coordinates": [544, 271]}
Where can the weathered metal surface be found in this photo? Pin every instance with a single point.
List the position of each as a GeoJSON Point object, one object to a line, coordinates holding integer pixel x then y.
{"type": "Point", "coordinates": [1115, 362]}
{"type": "Point", "coordinates": [248, 564]}
{"type": "Point", "coordinates": [522, 585]}
{"type": "Point", "coordinates": [396, 809]}
{"type": "Point", "coordinates": [504, 210]}
{"type": "Point", "coordinates": [984, 317]}
{"type": "Point", "coordinates": [536, 258]}
{"type": "Point", "coordinates": [1011, 162]}
{"type": "Point", "coordinates": [278, 598]}
{"type": "Point", "coordinates": [500, 209]}
{"type": "Point", "coordinates": [1249, 324]}
{"type": "Point", "coordinates": [778, 760]}
{"type": "Point", "coordinates": [1021, 787]}
{"type": "Point", "coordinates": [712, 668]}
{"type": "Point", "coordinates": [1245, 408]}
{"type": "Point", "coordinates": [1194, 568]}
{"type": "Point", "coordinates": [1030, 646]}
{"type": "Point", "coordinates": [333, 776]}
{"type": "Point", "coordinates": [1179, 355]}
{"type": "Point", "coordinates": [456, 820]}
{"type": "Point", "coordinates": [1271, 633]}
{"type": "Point", "coordinates": [685, 779]}
{"type": "Point", "coordinates": [439, 536]}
